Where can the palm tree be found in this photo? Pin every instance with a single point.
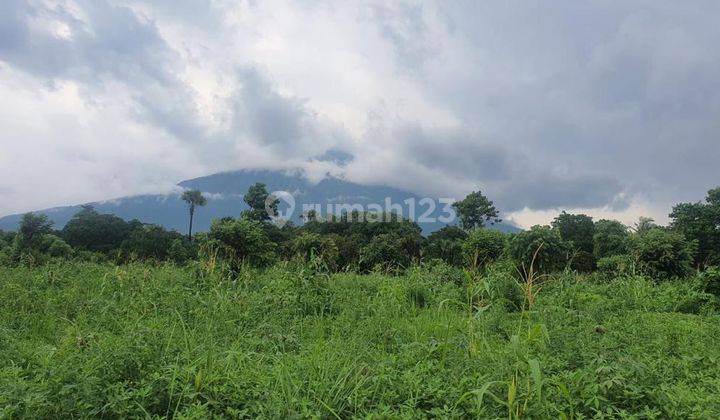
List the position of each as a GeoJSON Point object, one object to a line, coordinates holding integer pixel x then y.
{"type": "Point", "coordinates": [193, 198]}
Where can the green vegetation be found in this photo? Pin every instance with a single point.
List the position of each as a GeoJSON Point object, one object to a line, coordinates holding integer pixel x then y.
{"type": "Point", "coordinates": [82, 339]}
{"type": "Point", "coordinates": [352, 317]}
{"type": "Point", "coordinates": [194, 199]}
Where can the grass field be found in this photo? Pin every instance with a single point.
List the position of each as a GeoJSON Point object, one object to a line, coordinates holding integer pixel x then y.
{"type": "Point", "coordinates": [79, 340]}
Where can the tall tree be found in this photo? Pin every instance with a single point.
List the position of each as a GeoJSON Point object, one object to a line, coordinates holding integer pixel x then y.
{"type": "Point", "coordinates": [33, 227]}
{"type": "Point", "coordinates": [576, 228]}
{"type": "Point", "coordinates": [644, 224]}
{"type": "Point", "coordinates": [92, 231]}
{"type": "Point", "coordinates": [193, 198]}
{"type": "Point", "coordinates": [262, 207]}
{"type": "Point", "coordinates": [611, 238]}
{"type": "Point", "coordinates": [701, 222]}
{"type": "Point", "coordinates": [475, 210]}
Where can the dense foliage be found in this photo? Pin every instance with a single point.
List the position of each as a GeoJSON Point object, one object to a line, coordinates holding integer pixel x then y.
{"type": "Point", "coordinates": [367, 241]}
{"type": "Point", "coordinates": [542, 248]}
{"type": "Point", "coordinates": [483, 246]}
{"type": "Point", "coordinates": [110, 318]}
{"type": "Point", "coordinates": [701, 222]}
{"type": "Point", "coordinates": [663, 254]}
{"type": "Point", "coordinates": [86, 340]}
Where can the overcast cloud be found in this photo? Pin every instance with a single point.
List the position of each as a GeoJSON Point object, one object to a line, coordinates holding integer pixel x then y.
{"type": "Point", "coordinates": [611, 108]}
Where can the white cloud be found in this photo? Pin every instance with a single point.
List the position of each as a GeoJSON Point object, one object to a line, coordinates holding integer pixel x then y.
{"type": "Point", "coordinates": [591, 106]}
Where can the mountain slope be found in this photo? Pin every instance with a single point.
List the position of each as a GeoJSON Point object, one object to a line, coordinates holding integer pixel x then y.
{"type": "Point", "coordinates": [225, 191]}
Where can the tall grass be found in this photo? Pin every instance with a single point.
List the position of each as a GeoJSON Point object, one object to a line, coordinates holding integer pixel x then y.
{"type": "Point", "coordinates": [89, 340]}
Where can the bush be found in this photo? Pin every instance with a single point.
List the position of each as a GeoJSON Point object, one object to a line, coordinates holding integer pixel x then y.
{"type": "Point", "coordinates": [611, 238]}
{"type": "Point", "coordinates": [388, 251]}
{"type": "Point", "coordinates": [662, 254]}
{"type": "Point", "coordinates": [150, 241]}
{"type": "Point", "coordinates": [483, 246]}
{"type": "Point", "coordinates": [446, 244]}
{"type": "Point", "coordinates": [444, 272]}
{"type": "Point", "coordinates": [499, 285]}
{"type": "Point", "coordinates": [55, 247]}
{"type": "Point", "coordinates": [92, 231]}
{"type": "Point", "coordinates": [309, 245]}
{"type": "Point", "coordinates": [242, 241]}
{"type": "Point", "coordinates": [5, 256]}
{"type": "Point", "coordinates": [710, 280]}
{"type": "Point", "coordinates": [552, 252]}
{"type": "Point", "coordinates": [616, 266]}
{"type": "Point", "coordinates": [180, 251]}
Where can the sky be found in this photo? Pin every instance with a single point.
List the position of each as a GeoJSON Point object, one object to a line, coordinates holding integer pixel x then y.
{"type": "Point", "coordinates": [606, 108]}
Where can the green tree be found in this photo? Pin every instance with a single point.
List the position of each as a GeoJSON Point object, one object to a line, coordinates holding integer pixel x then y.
{"type": "Point", "coordinates": [92, 231]}
{"type": "Point", "coordinates": [662, 254]}
{"type": "Point", "coordinates": [577, 229]}
{"type": "Point", "coordinates": [545, 244]}
{"type": "Point", "coordinates": [262, 206]}
{"type": "Point", "coordinates": [54, 246]}
{"type": "Point", "coordinates": [610, 239]}
{"type": "Point", "coordinates": [475, 210]}
{"type": "Point", "coordinates": [700, 222]}
{"type": "Point", "coordinates": [32, 228]}
{"type": "Point", "coordinates": [353, 231]}
{"type": "Point", "coordinates": [149, 241]}
{"type": "Point", "coordinates": [446, 244]}
{"type": "Point", "coordinates": [193, 198]}
{"type": "Point", "coordinates": [309, 245]}
{"type": "Point", "coordinates": [242, 241]}
{"type": "Point", "coordinates": [644, 224]}
{"type": "Point", "coordinates": [389, 251]}
{"type": "Point", "coordinates": [483, 246]}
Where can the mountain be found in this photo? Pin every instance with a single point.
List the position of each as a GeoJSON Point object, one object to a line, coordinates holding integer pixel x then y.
{"type": "Point", "coordinates": [225, 191]}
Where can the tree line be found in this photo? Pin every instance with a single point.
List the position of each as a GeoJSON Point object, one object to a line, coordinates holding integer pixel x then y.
{"type": "Point", "coordinates": [354, 241]}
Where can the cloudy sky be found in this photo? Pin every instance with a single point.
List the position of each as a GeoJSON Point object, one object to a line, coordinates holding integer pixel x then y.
{"type": "Point", "coordinates": [610, 108]}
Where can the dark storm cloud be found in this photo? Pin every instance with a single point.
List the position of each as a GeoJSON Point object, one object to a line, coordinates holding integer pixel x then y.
{"type": "Point", "coordinates": [509, 176]}
{"type": "Point", "coordinates": [546, 191]}
{"type": "Point", "coordinates": [274, 119]}
{"type": "Point", "coordinates": [456, 152]}
{"type": "Point", "coordinates": [622, 97]}
{"type": "Point", "coordinates": [282, 123]}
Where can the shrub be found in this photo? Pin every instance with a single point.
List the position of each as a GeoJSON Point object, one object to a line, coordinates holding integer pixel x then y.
{"type": "Point", "coordinates": [150, 241]}
{"type": "Point", "coordinates": [5, 256]}
{"type": "Point", "coordinates": [242, 241]}
{"type": "Point", "coordinates": [499, 285]}
{"type": "Point", "coordinates": [443, 272]}
{"type": "Point", "coordinates": [446, 244]}
{"type": "Point", "coordinates": [611, 238]}
{"type": "Point", "coordinates": [180, 251]}
{"type": "Point", "coordinates": [583, 261]}
{"type": "Point", "coordinates": [55, 247]}
{"type": "Point", "coordinates": [616, 266]}
{"type": "Point", "coordinates": [663, 254]}
{"type": "Point", "coordinates": [309, 245]}
{"type": "Point", "coordinates": [483, 246]}
{"type": "Point", "coordinates": [710, 280]}
{"type": "Point", "coordinates": [388, 251]}
{"type": "Point", "coordinates": [552, 252]}
{"type": "Point", "coordinates": [92, 231]}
